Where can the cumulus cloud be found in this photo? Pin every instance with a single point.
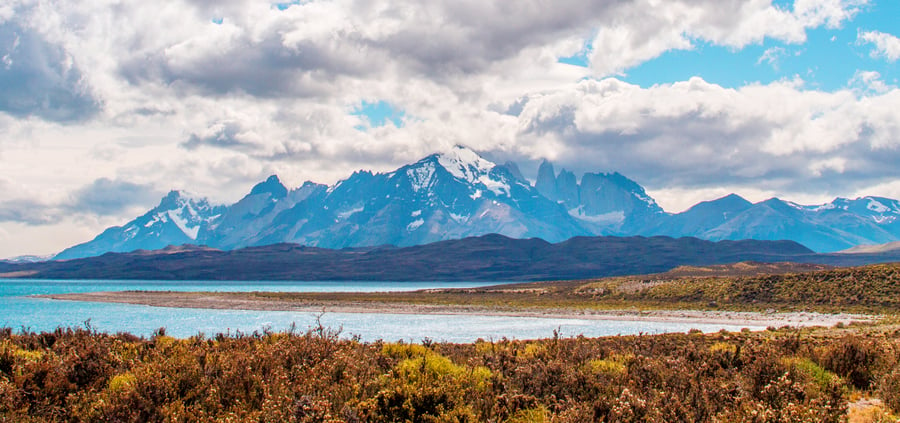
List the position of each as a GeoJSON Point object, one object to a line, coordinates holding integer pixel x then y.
{"type": "Point", "coordinates": [702, 135]}
{"type": "Point", "coordinates": [885, 45]}
{"type": "Point", "coordinates": [223, 134]}
{"type": "Point", "coordinates": [635, 36]}
{"type": "Point", "coordinates": [318, 49]}
{"type": "Point", "coordinates": [40, 79]}
{"type": "Point", "coordinates": [869, 82]}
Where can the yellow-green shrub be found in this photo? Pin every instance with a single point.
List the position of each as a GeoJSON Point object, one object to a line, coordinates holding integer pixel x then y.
{"type": "Point", "coordinates": [607, 367]}
{"type": "Point", "coordinates": [403, 351]}
{"type": "Point", "coordinates": [723, 347]}
{"type": "Point", "coordinates": [538, 414]}
{"type": "Point", "coordinates": [122, 382]}
{"type": "Point", "coordinates": [808, 368]}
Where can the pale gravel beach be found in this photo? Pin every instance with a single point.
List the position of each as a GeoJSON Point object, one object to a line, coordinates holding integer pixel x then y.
{"type": "Point", "coordinates": [220, 301]}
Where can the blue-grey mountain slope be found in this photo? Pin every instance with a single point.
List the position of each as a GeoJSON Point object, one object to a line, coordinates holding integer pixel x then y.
{"type": "Point", "coordinates": [836, 226]}
{"type": "Point", "coordinates": [242, 223]}
{"type": "Point", "coordinates": [177, 220]}
{"type": "Point", "coordinates": [700, 218]}
{"type": "Point", "coordinates": [605, 203]}
{"type": "Point", "coordinates": [443, 196]}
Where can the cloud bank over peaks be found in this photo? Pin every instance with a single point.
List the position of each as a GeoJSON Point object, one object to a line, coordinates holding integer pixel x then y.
{"type": "Point", "coordinates": [702, 135]}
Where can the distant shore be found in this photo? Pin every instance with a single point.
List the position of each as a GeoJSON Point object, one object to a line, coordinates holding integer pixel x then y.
{"type": "Point", "coordinates": [249, 301]}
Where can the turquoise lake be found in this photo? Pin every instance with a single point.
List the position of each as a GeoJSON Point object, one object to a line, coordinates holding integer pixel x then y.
{"type": "Point", "coordinates": [19, 311]}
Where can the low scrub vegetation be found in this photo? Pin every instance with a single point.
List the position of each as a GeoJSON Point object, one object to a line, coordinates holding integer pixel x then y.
{"type": "Point", "coordinates": [874, 288]}
{"type": "Point", "coordinates": [866, 289]}
{"type": "Point", "coordinates": [78, 375]}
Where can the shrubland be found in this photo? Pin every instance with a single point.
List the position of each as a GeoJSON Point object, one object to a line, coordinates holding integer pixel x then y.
{"type": "Point", "coordinates": [871, 289]}
{"type": "Point", "coordinates": [784, 375]}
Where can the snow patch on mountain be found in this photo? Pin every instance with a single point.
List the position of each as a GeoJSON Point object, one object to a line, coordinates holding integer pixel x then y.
{"type": "Point", "coordinates": [795, 205]}
{"type": "Point", "coordinates": [422, 177]}
{"type": "Point", "coordinates": [184, 224]}
{"type": "Point", "coordinates": [465, 164]}
{"type": "Point", "coordinates": [414, 225]}
{"type": "Point", "coordinates": [645, 198]}
{"type": "Point", "coordinates": [458, 218]}
{"type": "Point", "coordinates": [823, 207]}
{"type": "Point", "coordinates": [334, 187]}
{"type": "Point", "coordinates": [345, 214]}
{"type": "Point", "coordinates": [611, 218]}
{"type": "Point", "coordinates": [495, 186]}
{"type": "Point", "coordinates": [131, 231]}
{"type": "Point", "coordinates": [877, 207]}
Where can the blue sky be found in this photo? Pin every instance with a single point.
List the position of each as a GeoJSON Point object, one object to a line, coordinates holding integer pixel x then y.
{"type": "Point", "coordinates": [379, 113]}
{"type": "Point", "coordinates": [827, 60]}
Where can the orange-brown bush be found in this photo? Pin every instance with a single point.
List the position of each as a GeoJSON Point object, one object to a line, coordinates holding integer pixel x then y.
{"type": "Point", "coordinates": [889, 390]}
{"type": "Point", "coordinates": [77, 375]}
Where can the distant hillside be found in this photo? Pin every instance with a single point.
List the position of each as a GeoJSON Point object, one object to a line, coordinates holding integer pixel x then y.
{"type": "Point", "coordinates": [741, 269]}
{"type": "Point", "coordinates": [864, 288]}
{"type": "Point", "coordinates": [881, 248]}
{"type": "Point", "coordinates": [490, 257]}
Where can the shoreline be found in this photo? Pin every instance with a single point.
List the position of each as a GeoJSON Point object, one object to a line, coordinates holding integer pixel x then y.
{"type": "Point", "coordinates": [230, 301]}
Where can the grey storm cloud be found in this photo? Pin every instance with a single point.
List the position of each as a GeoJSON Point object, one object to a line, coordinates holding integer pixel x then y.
{"type": "Point", "coordinates": [468, 36]}
{"type": "Point", "coordinates": [108, 197]}
{"type": "Point", "coordinates": [103, 197]}
{"type": "Point", "coordinates": [39, 79]}
{"type": "Point", "coordinates": [262, 69]}
{"type": "Point", "coordinates": [436, 40]}
{"type": "Point", "coordinates": [27, 212]}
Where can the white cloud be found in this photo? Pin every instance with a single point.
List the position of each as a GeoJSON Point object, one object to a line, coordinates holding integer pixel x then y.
{"type": "Point", "coordinates": [636, 36]}
{"type": "Point", "coordinates": [696, 134]}
{"type": "Point", "coordinates": [771, 56]}
{"type": "Point", "coordinates": [869, 82]}
{"type": "Point", "coordinates": [886, 46]}
{"type": "Point", "coordinates": [179, 101]}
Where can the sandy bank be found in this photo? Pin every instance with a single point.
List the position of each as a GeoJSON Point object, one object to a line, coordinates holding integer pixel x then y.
{"type": "Point", "coordinates": [246, 301]}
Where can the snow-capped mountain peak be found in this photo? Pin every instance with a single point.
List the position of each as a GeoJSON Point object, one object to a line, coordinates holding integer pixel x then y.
{"type": "Point", "coordinates": [177, 220]}
{"type": "Point", "coordinates": [465, 164]}
{"type": "Point", "coordinates": [186, 213]}
{"type": "Point", "coordinates": [458, 193]}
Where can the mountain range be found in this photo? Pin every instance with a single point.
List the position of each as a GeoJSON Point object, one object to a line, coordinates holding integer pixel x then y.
{"type": "Point", "coordinates": [459, 194]}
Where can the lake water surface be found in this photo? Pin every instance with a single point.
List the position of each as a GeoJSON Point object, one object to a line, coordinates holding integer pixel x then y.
{"type": "Point", "coordinates": [19, 311]}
